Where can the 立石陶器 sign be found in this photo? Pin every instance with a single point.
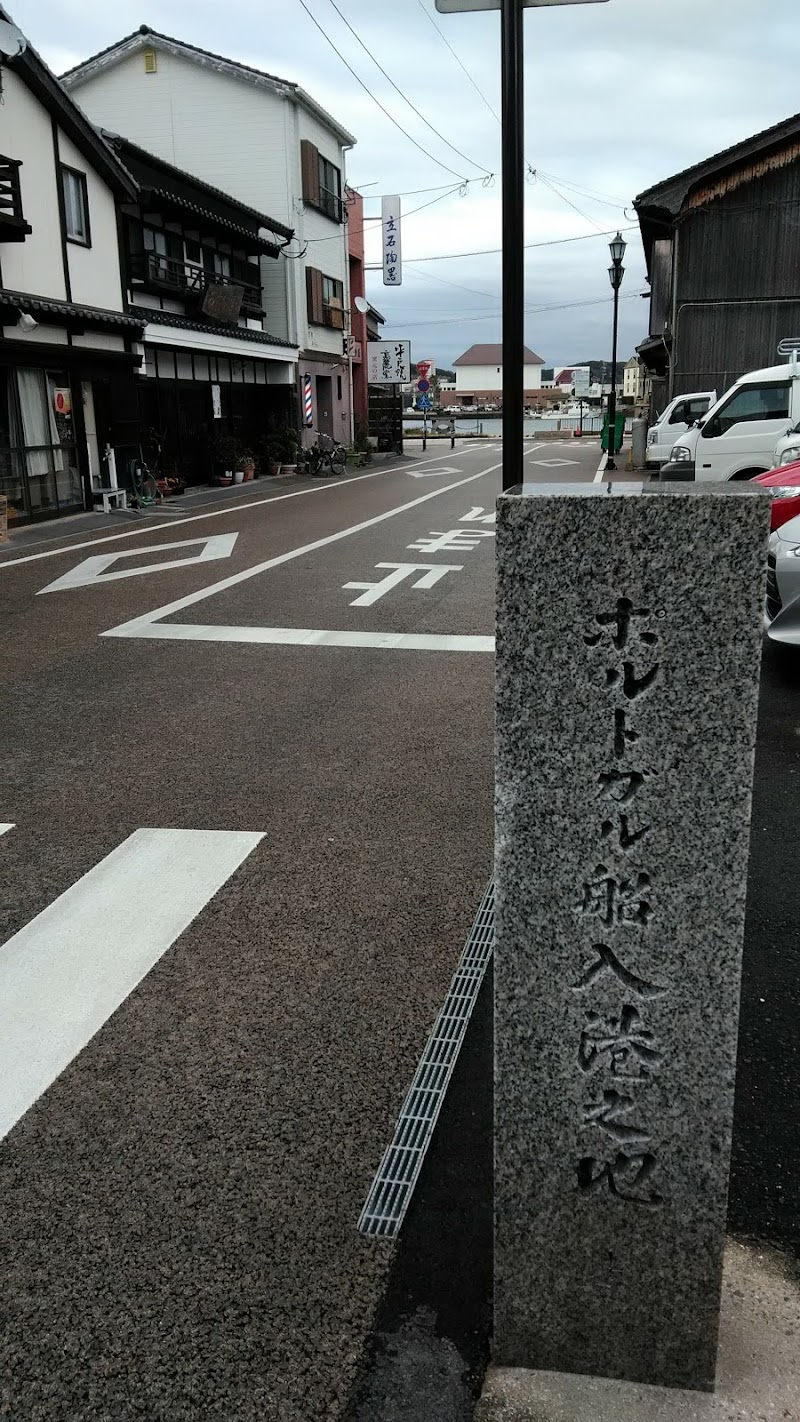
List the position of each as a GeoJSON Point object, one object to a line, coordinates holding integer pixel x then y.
{"type": "Point", "coordinates": [389, 362]}
{"type": "Point", "coordinates": [392, 261]}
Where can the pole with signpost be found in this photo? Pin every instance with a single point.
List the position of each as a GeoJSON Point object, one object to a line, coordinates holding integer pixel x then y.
{"type": "Point", "coordinates": [513, 143]}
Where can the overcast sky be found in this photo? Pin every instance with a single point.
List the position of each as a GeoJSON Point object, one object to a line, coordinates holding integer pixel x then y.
{"type": "Point", "coordinates": [618, 96]}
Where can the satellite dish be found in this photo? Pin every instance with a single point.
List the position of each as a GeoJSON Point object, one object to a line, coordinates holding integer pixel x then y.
{"type": "Point", "coordinates": [12, 40]}
{"type": "Point", "coordinates": [362, 305]}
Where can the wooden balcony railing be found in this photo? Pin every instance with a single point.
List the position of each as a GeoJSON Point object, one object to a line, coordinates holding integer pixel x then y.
{"type": "Point", "coordinates": [152, 270]}
{"type": "Point", "coordinates": [13, 226]}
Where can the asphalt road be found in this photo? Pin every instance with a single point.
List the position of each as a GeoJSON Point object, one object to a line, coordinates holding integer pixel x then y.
{"type": "Point", "coordinates": [180, 1202]}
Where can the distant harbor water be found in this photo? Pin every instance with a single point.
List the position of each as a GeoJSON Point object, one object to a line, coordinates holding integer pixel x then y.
{"type": "Point", "coordinates": [493, 424]}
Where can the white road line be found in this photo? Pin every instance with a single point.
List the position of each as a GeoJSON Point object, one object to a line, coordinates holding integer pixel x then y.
{"type": "Point", "coordinates": [93, 570]}
{"type": "Point", "coordinates": [601, 469]}
{"type": "Point", "coordinates": [5, 827]}
{"type": "Point", "coordinates": [70, 968]}
{"type": "Point", "coordinates": [144, 626]}
{"type": "Point", "coordinates": [314, 637]}
{"type": "Point", "coordinates": [217, 513]}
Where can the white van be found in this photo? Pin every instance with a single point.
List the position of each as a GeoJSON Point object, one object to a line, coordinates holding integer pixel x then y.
{"type": "Point", "coordinates": [736, 439]}
{"type": "Point", "coordinates": [679, 416]}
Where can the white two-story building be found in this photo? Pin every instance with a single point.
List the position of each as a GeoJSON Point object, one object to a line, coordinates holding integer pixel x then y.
{"type": "Point", "coordinates": [65, 335]}
{"type": "Point", "coordinates": [265, 141]}
{"type": "Point", "coordinates": [479, 377]}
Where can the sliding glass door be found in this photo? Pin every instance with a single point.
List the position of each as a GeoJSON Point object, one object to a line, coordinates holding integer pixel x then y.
{"type": "Point", "coordinates": [38, 465]}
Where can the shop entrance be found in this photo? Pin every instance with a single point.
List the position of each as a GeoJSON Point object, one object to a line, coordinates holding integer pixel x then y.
{"type": "Point", "coordinates": [39, 471]}
{"type": "Point", "coordinates": [325, 404]}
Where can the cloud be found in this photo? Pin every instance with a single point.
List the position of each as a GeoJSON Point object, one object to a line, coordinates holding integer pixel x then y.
{"type": "Point", "coordinates": [619, 96]}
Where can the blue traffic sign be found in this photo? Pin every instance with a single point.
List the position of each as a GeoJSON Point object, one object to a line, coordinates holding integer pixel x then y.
{"type": "Point", "coordinates": [423, 386]}
{"type": "Point", "coordinates": [424, 402]}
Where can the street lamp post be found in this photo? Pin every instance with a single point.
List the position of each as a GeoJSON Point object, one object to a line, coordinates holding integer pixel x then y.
{"type": "Point", "coordinates": [615, 272]}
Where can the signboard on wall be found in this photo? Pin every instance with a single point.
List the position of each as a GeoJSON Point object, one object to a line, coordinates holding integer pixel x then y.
{"type": "Point", "coordinates": [62, 400]}
{"type": "Point", "coordinates": [223, 303]}
{"type": "Point", "coordinates": [216, 402]}
{"type": "Point", "coordinates": [392, 257]}
{"type": "Point", "coordinates": [388, 362]}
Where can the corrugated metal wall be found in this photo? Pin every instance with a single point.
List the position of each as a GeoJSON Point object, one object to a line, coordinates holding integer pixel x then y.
{"type": "Point", "coordinates": [742, 248]}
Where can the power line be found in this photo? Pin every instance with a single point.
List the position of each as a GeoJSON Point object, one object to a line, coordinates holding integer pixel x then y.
{"type": "Point", "coordinates": [495, 315]}
{"type": "Point", "coordinates": [471, 163]}
{"type": "Point", "coordinates": [493, 251]}
{"type": "Point", "coordinates": [336, 237]}
{"type": "Point", "coordinates": [377, 101]}
{"type": "Point", "coordinates": [564, 198]}
{"type": "Point", "coordinates": [446, 41]}
{"type": "Point", "coordinates": [429, 276]}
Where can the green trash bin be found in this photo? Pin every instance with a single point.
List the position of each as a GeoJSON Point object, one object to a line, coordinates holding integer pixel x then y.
{"type": "Point", "coordinates": [619, 431]}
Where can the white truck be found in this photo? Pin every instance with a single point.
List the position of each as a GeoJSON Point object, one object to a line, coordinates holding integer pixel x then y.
{"type": "Point", "coordinates": [678, 417]}
{"type": "Point", "coordinates": [737, 437]}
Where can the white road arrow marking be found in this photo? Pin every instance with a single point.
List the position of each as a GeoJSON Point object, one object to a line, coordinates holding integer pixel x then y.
{"type": "Point", "coordinates": [5, 827]}
{"type": "Point", "coordinates": [63, 975]}
{"type": "Point", "coordinates": [432, 574]}
{"type": "Point", "coordinates": [93, 570]}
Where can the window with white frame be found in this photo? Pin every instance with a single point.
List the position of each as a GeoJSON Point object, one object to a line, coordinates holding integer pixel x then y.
{"type": "Point", "coordinates": [76, 206]}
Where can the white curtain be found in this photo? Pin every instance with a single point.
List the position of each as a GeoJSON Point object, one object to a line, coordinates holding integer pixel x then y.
{"type": "Point", "coordinates": [36, 427]}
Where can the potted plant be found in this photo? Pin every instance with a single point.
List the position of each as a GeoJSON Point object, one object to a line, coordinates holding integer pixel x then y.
{"type": "Point", "coordinates": [247, 463]}
{"type": "Point", "coordinates": [269, 455]}
{"type": "Point", "coordinates": [288, 442]}
{"type": "Point", "coordinates": [225, 454]}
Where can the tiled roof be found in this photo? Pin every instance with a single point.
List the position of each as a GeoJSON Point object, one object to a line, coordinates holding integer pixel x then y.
{"type": "Point", "coordinates": [214, 328]}
{"type": "Point", "coordinates": [248, 238]}
{"type": "Point", "coordinates": [69, 310]}
{"type": "Point", "coordinates": [493, 355]}
{"type": "Point", "coordinates": [133, 150]}
{"type": "Point", "coordinates": [145, 31]}
{"type": "Point", "coordinates": [671, 191]}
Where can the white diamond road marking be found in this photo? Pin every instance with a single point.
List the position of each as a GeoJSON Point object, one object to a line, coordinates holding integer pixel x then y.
{"type": "Point", "coordinates": [93, 570]}
{"type": "Point", "coordinates": [5, 826]}
{"type": "Point", "coordinates": [553, 463]}
{"type": "Point", "coordinates": [74, 964]}
{"type": "Point", "coordinates": [433, 473]}
{"type": "Point", "coordinates": [150, 624]}
{"type": "Point", "coordinates": [432, 574]}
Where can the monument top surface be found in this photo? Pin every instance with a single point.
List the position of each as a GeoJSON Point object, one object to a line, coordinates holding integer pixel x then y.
{"type": "Point", "coordinates": [627, 488]}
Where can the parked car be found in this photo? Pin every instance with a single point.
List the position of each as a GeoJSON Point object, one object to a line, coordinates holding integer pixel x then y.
{"type": "Point", "coordinates": [784, 486]}
{"type": "Point", "coordinates": [782, 613]}
{"type": "Point", "coordinates": [736, 439]}
{"type": "Point", "coordinates": [787, 450]}
{"type": "Point", "coordinates": [674, 421]}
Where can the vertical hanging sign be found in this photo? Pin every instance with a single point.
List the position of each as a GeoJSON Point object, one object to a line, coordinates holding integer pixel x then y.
{"type": "Point", "coordinates": [392, 261]}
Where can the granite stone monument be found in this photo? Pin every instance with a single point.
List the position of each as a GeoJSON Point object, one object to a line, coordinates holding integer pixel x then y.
{"type": "Point", "coordinates": [628, 649]}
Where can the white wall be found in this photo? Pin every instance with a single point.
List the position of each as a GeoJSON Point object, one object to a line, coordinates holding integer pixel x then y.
{"type": "Point", "coordinates": [94, 272]}
{"type": "Point", "coordinates": [35, 265]}
{"type": "Point", "coordinates": [490, 377]}
{"type": "Point", "coordinates": [243, 139]}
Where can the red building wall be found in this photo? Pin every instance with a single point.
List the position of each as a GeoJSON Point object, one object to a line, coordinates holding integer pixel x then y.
{"type": "Point", "coordinates": [358, 322]}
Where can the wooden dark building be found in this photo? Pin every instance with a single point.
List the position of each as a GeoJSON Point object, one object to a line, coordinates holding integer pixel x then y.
{"type": "Point", "coordinates": [722, 244]}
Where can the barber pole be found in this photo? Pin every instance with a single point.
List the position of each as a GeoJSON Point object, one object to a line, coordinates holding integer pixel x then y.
{"type": "Point", "coordinates": [308, 402]}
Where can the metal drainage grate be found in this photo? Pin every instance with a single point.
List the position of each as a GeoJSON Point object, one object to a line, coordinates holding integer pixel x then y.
{"type": "Point", "coordinates": [394, 1183]}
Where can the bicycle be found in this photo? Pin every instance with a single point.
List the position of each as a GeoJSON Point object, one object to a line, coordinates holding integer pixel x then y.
{"type": "Point", "coordinates": [143, 479]}
{"type": "Point", "coordinates": [326, 457]}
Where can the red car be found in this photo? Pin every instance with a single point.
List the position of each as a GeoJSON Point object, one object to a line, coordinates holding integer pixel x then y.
{"type": "Point", "coordinates": [784, 485]}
